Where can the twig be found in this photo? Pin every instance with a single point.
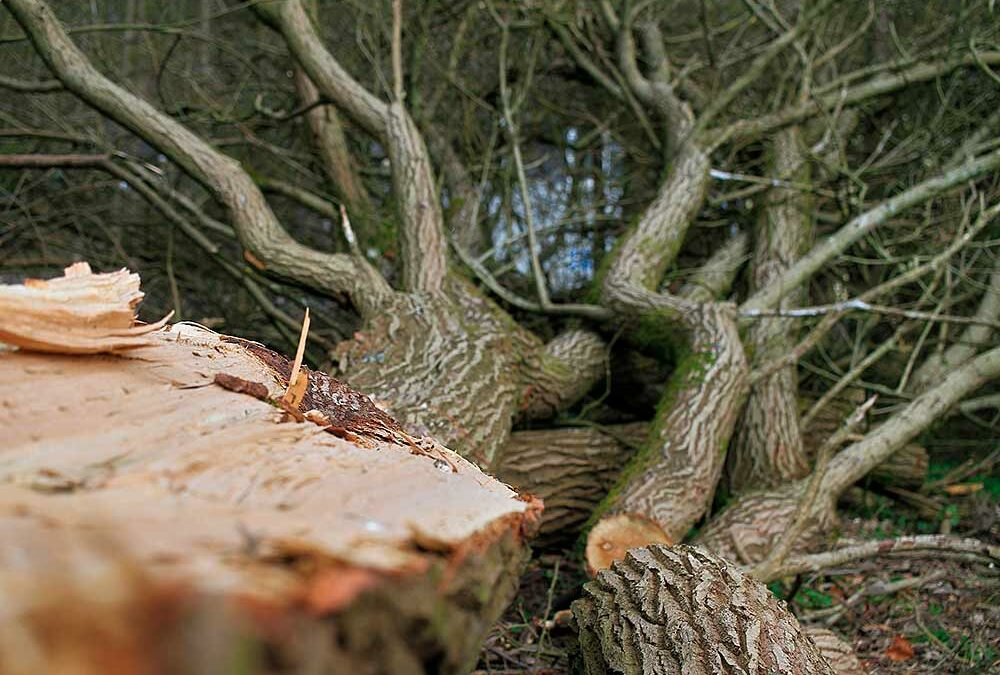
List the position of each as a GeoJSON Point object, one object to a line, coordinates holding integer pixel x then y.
{"type": "Point", "coordinates": [858, 304]}
{"type": "Point", "coordinates": [969, 549]}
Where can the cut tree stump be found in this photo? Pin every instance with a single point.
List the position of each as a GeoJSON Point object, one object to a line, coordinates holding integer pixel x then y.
{"type": "Point", "coordinates": [161, 510]}
{"type": "Point", "coordinates": [671, 610]}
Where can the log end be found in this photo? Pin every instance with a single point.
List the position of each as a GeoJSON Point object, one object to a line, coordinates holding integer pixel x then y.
{"type": "Point", "coordinates": [613, 536]}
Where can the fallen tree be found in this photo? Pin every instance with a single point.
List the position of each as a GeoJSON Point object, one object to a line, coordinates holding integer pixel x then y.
{"type": "Point", "coordinates": [177, 504]}
{"type": "Point", "coordinates": [670, 610]}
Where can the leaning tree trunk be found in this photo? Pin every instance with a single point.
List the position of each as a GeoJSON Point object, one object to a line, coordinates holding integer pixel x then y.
{"type": "Point", "coordinates": [672, 610]}
{"type": "Point", "coordinates": [179, 507]}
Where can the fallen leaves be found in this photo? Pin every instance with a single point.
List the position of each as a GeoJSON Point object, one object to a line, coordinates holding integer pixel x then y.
{"type": "Point", "coordinates": [900, 649]}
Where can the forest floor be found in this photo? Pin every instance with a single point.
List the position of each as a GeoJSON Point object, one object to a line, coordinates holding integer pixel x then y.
{"type": "Point", "coordinates": [902, 615]}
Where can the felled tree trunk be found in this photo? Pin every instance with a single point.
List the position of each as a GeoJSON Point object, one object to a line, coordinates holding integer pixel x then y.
{"type": "Point", "coordinates": [666, 610]}
{"type": "Point", "coordinates": [178, 507]}
{"type": "Point", "coordinates": [571, 470]}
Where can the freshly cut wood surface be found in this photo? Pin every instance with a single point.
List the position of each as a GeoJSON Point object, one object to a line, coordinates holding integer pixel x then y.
{"type": "Point", "coordinates": [165, 462]}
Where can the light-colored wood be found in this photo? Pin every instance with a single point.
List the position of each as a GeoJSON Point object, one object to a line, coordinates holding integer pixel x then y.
{"type": "Point", "coordinates": [77, 313]}
{"type": "Point", "coordinates": [142, 472]}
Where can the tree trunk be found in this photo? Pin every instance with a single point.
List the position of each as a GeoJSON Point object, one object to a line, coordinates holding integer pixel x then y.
{"type": "Point", "coordinates": [672, 610]}
{"type": "Point", "coordinates": [173, 508]}
{"type": "Point", "coordinates": [767, 445]}
{"type": "Point", "coordinates": [570, 469]}
{"type": "Point", "coordinates": [670, 483]}
{"type": "Point", "coordinates": [458, 368]}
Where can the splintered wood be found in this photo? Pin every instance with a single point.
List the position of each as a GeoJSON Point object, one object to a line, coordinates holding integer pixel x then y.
{"type": "Point", "coordinates": [167, 485]}
{"type": "Point", "coordinates": [78, 313]}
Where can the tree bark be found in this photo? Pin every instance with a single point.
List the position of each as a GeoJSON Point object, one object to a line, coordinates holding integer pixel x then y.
{"type": "Point", "coordinates": [672, 610]}
{"type": "Point", "coordinates": [747, 529]}
{"type": "Point", "coordinates": [570, 469]}
{"type": "Point", "coordinates": [670, 483]}
{"type": "Point", "coordinates": [837, 653]}
{"type": "Point", "coordinates": [767, 445]}
{"type": "Point", "coordinates": [177, 510]}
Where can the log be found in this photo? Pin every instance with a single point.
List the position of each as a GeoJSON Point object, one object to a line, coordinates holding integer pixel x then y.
{"type": "Point", "coordinates": [670, 610]}
{"type": "Point", "coordinates": [167, 509]}
{"type": "Point", "coordinates": [570, 469]}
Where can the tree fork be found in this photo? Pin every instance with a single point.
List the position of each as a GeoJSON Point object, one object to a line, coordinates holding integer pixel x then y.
{"type": "Point", "coordinates": [256, 225]}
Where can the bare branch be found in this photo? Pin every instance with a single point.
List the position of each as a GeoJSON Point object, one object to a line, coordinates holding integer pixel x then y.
{"type": "Point", "coordinates": [30, 86]}
{"type": "Point", "coordinates": [769, 296]}
{"type": "Point", "coordinates": [880, 85]}
{"type": "Point", "coordinates": [258, 228]}
{"type": "Point", "coordinates": [423, 244]}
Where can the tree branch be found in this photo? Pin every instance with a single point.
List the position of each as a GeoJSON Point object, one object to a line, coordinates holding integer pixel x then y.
{"type": "Point", "coordinates": [256, 225]}
{"type": "Point", "coordinates": [800, 272]}
{"type": "Point", "coordinates": [424, 251]}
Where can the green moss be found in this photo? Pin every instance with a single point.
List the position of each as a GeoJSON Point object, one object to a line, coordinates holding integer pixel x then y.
{"type": "Point", "coordinates": [690, 372]}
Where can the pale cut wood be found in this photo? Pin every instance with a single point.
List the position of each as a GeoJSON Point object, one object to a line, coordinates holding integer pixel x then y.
{"type": "Point", "coordinates": [156, 484]}
{"type": "Point", "coordinates": [78, 313]}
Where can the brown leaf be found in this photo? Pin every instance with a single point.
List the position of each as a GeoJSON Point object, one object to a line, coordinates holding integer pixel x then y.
{"type": "Point", "coordinates": [900, 649]}
{"type": "Point", "coordinates": [963, 488]}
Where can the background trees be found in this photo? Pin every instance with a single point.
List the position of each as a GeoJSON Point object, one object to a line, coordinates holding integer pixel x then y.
{"type": "Point", "coordinates": [736, 221]}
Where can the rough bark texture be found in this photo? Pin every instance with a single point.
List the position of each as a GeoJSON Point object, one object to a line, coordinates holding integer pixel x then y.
{"type": "Point", "coordinates": [162, 516]}
{"type": "Point", "coordinates": [666, 610]}
{"type": "Point", "coordinates": [672, 480]}
{"type": "Point", "coordinates": [570, 469]}
{"type": "Point", "coordinates": [746, 531]}
{"type": "Point", "coordinates": [837, 653]}
{"type": "Point", "coordinates": [767, 445]}
{"type": "Point", "coordinates": [562, 373]}
{"type": "Point", "coordinates": [457, 367]}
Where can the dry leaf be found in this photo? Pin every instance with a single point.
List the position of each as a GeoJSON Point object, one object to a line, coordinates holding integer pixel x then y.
{"type": "Point", "coordinates": [900, 649]}
{"type": "Point", "coordinates": [963, 488]}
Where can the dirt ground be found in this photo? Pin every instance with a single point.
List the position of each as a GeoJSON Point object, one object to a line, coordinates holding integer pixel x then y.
{"type": "Point", "coordinates": [926, 614]}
